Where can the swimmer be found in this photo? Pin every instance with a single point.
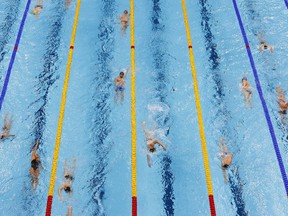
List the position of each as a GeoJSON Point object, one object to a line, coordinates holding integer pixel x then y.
{"type": "Point", "coordinates": [263, 44]}
{"type": "Point", "coordinates": [226, 158]}
{"type": "Point", "coordinates": [283, 105]}
{"type": "Point", "coordinates": [124, 19]}
{"type": "Point", "coordinates": [151, 142]}
{"type": "Point", "coordinates": [35, 167]}
{"type": "Point", "coordinates": [247, 91]}
{"type": "Point", "coordinates": [119, 86]}
{"type": "Point", "coordinates": [6, 128]}
{"type": "Point", "coordinates": [38, 8]}
{"type": "Point", "coordinates": [69, 177]}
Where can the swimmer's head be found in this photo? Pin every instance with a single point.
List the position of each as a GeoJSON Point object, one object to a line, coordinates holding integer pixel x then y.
{"type": "Point", "coordinates": [121, 74]}
{"type": "Point", "coordinates": [244, 78]}
{"type": "Point", "coordinates": [34, 11]}
{"type": "Point", "coordinates": [125, 12]}
{"type": "Point", "coordinates": [68, 189]}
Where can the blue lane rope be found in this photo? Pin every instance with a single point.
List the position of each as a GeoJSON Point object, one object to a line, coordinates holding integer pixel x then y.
{"type": "Point", "coordinates": [4, 89]}
{"type": "Point", "coordinates": [268, 119]}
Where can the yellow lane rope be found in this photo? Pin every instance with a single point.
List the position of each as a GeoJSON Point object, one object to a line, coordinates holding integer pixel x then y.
{"type": "Point", "coordinates": [62, 107]}
{"type": "Point", "coordinates": [133, 113]}
{"type": "Point", "coordinates": [199, 113]}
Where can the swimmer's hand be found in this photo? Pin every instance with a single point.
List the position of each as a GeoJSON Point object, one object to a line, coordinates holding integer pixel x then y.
{"type": "Point", "coordinates": [126, 71]}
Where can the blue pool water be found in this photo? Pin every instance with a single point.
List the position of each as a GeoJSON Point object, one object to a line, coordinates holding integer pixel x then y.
{"type": "Point", "coordinates": [98, 132]}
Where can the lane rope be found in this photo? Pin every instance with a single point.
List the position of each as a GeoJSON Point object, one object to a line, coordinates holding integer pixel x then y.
{"type": "Point", "coordinates": [199, 114]}
{"type": "Point", "coordinates": [264, 105]}
{"type": "Point", "coordinates": [286, 3]}
{"type": "Point", "coordinates": [12, 59]}
{"type": "Point", "coordinates": [133, 113]}
{"type": "Point", "coordinates": [61, 113]}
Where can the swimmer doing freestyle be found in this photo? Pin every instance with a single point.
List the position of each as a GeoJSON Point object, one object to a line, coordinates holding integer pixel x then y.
{"type": "Point", "coordinates": [283, 105]}
{"type": "Point", "coordinates": [226, 158]}
{"type": "Point", "coordinates": [151, 142]}
{"type": "Point", "coordinates": [247, 91]}
{"type": "Point", "coordinates": [263, 44]}
{"type": "Point", "coordinates": [38, 8]}
{"type": "Point", "coordinates": [69, 177]}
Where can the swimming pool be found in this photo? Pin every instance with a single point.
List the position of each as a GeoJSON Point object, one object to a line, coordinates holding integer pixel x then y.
{"type": "Point", "coordinates": [98, 132]}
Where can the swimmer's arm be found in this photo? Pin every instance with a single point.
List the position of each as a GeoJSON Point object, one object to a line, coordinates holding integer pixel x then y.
{"type": "Point", "coordinates": [126, 71]}
{"type": "Point", "coordinates": [221, 140]}
{"type": "Point", "coordinates": [144, 126]}
{"type": "Point", "coordinates": [35, 148]}
{"type": "Point", "coordinates": [161, 144]}
{"type": "Point", "coordinates": [74, 166]}
{"type": "Point", "coordinates": [261, 47]}
{"type": "Point", "coordinates": [115, 81]}
{"type": "Point", "coordinates": [271, 49]}
{"type": "Point", "coordinates": [121, 18]}
{"type": "Point", "coordinates": [59, 191]}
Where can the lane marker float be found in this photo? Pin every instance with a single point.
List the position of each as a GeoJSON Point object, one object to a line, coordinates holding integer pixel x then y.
{"type": "Point", "coordinates": [61, 113]}
{"type": "Point", "coordinates": [264, 105]}
{"type": "Point", "coordinates": [199, 114]}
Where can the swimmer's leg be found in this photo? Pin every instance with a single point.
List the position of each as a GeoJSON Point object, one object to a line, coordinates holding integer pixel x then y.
{"type": "Point", "coordinates": [250, 101]}
{"type": "Point", "coordinates": [282, 117]}
{"type": "Point", "coordinates": [122, 97]}
{"type": "Point", "coordinates": [224, 175]}
{"type": "Point", "coordinates": [36, 183]}
{"type": "Point", "coordinates": [66, 168]}
{"type": "Point", "coordinates": [149, 160]}
{"type": "Point", "coordinates": [116, 97]}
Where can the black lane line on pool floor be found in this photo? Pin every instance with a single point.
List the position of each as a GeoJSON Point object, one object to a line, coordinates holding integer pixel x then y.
{"type": "Point", "coordinates": [158, 49]}
{"type": "Point", "coordinates": [235, 182]}
{"type": "Point", "coordinates": [101, 107]}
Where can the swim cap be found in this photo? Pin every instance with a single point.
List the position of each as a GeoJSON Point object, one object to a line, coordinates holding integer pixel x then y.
{"type": "Point", "coordinates": [244, 78]}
